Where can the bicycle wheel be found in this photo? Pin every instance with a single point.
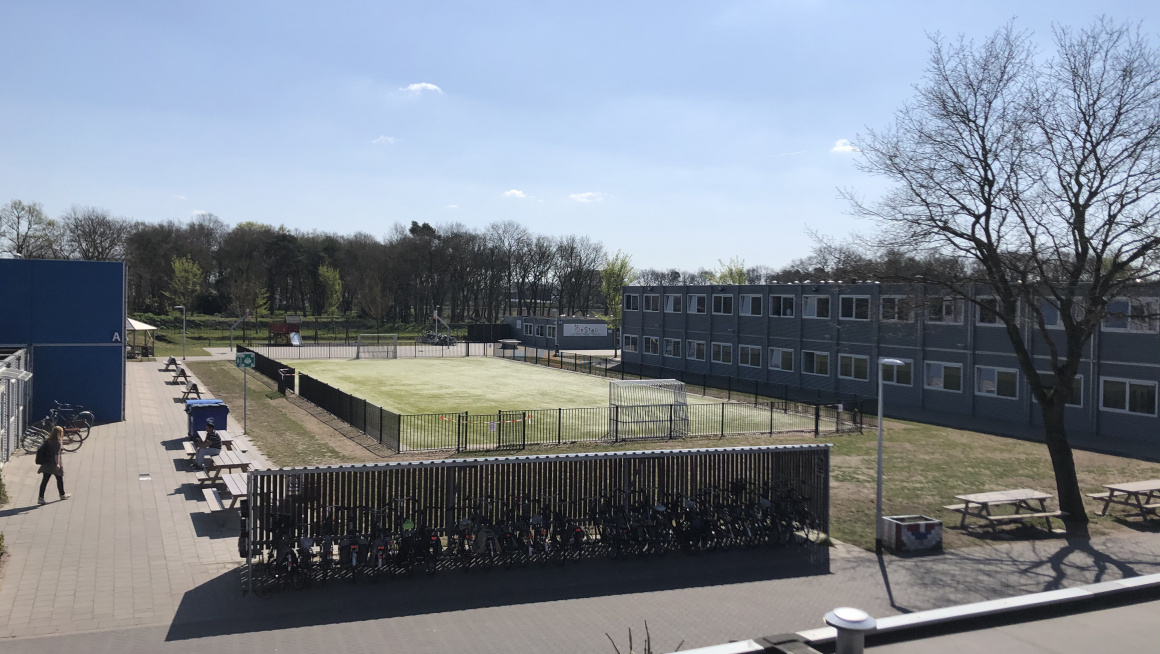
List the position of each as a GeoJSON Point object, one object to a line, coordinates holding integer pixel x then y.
{"type": "Point", "coordinates": [33, 439]}
{"type": "Point", "coordinates": [70, 441]}
{"type": "Point", "coordinates": [87, 416]}
{"type": "Point", "coordinates": [79, 426]}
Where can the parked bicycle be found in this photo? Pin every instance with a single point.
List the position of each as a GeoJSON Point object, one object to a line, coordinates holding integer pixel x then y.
{"type": "Point", "coordinates": [75, 421]}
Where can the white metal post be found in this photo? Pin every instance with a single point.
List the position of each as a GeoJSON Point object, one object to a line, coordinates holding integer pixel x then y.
{"type": "Point", "coordinates": [878, 496]}
{"type": "Point", "coordinates": [245, 401]}
{"type": "Point", "coordinates": [182, 331]}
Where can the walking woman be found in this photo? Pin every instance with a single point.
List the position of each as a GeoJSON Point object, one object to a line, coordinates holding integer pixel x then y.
{"type": "Point", "coordinates": [49, 458]}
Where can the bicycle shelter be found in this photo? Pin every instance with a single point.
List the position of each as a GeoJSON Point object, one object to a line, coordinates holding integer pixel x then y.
{"type": "Point", "coordinates": [443, 490]}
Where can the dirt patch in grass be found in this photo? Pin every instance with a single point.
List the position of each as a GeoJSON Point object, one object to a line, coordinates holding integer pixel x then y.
{"type": "Point", "coordinates": [286, 435]}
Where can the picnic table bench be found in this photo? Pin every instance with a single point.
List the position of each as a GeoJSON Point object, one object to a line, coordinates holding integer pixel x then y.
{"type": "Point", "coordinates": [227, 439]}
{"type": "Point", "coordinates": [171, 362]}
{"type": "Point", "coordinates": [1029, 504]}
{"type": "Point", "coordinates": [1143, 496]}
{"type": "Point", "coordinates": [191, 389]}
{"type": "Point", "coordinates": [180, 375]}
{"type": "Point", "coordinates": [223, 463]}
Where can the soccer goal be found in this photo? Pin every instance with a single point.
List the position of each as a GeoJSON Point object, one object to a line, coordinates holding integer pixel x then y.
{"type": "Point", "coordinates": [377, 346]}
{"type": "Point", "coordinates": [648, 408]}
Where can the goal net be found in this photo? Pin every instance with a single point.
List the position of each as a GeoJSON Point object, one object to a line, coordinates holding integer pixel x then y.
{"type": "Point", "coordinates": [648, 408]}
{"type": "Point", "coordinates": [377, 346]}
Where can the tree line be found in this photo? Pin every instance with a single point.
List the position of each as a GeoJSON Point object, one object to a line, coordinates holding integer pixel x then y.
{"type": "Point", "coordinates": [405, 276]}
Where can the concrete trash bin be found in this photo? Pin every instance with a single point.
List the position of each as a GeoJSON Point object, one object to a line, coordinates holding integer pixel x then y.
{"type": "Point", "coordinates": [910, 533]}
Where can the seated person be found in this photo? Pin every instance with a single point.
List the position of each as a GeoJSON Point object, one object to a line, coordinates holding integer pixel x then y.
{"type": "Point", "coordinates": [212, 446]}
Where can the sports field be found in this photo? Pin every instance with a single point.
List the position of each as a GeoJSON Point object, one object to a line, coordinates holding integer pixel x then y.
{"type": "Point", "coordinates": [479, 385]}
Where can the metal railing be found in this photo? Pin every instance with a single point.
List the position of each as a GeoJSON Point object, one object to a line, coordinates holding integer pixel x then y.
{"type": "Point", "coordinates": [15, 400]}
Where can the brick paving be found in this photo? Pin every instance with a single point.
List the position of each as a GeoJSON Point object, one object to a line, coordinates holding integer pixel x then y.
{"type": "Point", "coordinates": [139, 566]}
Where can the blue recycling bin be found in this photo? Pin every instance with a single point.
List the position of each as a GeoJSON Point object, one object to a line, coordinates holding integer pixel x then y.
{"type": "Point", "coordinates": [200, 410]}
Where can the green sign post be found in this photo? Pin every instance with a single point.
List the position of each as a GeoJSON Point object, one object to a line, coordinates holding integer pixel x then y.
{"type": "Point", "coordinates": [244, 360]}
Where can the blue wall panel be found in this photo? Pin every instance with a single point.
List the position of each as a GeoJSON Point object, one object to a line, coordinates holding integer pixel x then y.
{"type": "Point", "coordinates": [72, 314]}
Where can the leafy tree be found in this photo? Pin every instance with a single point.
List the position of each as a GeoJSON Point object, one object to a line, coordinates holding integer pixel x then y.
{"type": "Point", "coordinates": [733, 272]}
{"type": "Point", "coordinates": [188, 280]}
{"type": "Point", "coordinates": [1042, 176]}
{"type": "Point", "coordinates": [332, 288]}
{"type": "Point", "coordinates": [616, 273]}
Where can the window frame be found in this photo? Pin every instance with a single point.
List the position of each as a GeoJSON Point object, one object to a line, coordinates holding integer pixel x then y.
{"type": "Point", "coordinates": [958, 310]}
{"type": "Point", "coordinates": [778, 353]}
{"type": "Point", "coordinates": [806, 303]}
{"type": "Point", "coordinates": [691, 305]}
{"type": "Point", "coordinates": [1058, 324]}
{"type": "Point", "coordinates": [894, 381]}
{"type": "Point", "coordinates": [529, 328]}
{"type": "Point", "coordinates": [635, 297]}
{"type": "Point", "coordinates": [853, 370]}
{"type": "Point", "coordinates": [551, 331]}
{"type": "Point", "coordinates": [718, 348]}
{"type": "Point", "coordinates": [900, 302]}
{"type": "Point", "coordinates": [1131, 321]}
{"type": "Point", "coordinates": [1077, 396]}
{"type": "Point", "coordinates": [980, 309]}
{"type": "Point", "coordinates": [656, 302]}
{"type": "Point", "coordinates": [679, 302]}
{"type": "Point", "coordinates": [655, 343]}
{"type": "Point", "coordinates": [1127, 410]}
{"type": "Point", "coordinates": [944, 364]}
{"type": "Point", "coordinates": [541, 330]}
{"type": "Point", "coordinates": [625, 339]}
{"type": "Point", "coordinates": [815, 354]}
{"type": "Point", "coordinates": [746, 352]}
{"type": "Point", "coordinates": [781, 302]}
{"type": "Point", "coordinates": [997, 369]}
{"type": "Point", "coordinates": [750, 297]}
{"type": "Point", "coordinates": [691, 350]}
{"type": "Point", "coordinates": [853, 307]}
{"type": "Point", "coordinates": [668, 349]}
{"type": "Point", "coordinates": [723, 296]}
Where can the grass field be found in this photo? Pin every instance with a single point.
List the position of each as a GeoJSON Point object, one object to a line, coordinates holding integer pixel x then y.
{"type": "Point", "coordinates": [478, 385]}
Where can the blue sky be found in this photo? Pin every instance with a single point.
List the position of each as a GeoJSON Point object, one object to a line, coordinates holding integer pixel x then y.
{"type": "Point", "coordinates": [682, 133]}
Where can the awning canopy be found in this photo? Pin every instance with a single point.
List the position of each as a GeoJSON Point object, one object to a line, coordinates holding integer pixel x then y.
{"type": "Point", "coordinates": [135, 326]}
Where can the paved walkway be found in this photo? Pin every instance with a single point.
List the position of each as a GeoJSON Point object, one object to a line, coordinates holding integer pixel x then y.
{"type": "Point", "coordinates": [138, 566]}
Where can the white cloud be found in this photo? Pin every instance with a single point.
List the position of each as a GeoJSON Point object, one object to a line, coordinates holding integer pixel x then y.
{"type": "Point", "coordinates": [419, 87]}
{"type": "Point", "coordinates": [179, 197]}
{"type": "Point", "coordinates": [843, 145]}
{"type": "Point", "coordinates": [590, 196]}
{"type": "Point", "coordinates": [515, 193]}
{"type": "Point", "coordinates": [199, 212]}
{"type": "Point", "coordinates": [453, 206]}
{"type": "Point", "coordinates": [384, 140]}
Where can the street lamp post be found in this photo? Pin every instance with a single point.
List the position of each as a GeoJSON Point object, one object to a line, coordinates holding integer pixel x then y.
{"type": "Point", "coordinates": [878, 500]}
{"type": "Point", "coordinates": [182, 330]}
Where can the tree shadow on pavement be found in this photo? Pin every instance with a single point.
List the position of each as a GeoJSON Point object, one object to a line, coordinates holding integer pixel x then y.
{"type": "Point", "coordinates": [218, 607]}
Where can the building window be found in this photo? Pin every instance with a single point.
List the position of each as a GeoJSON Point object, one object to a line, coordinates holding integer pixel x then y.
{"type": "Point", "coordinates": [1000, 382]}
{"type": "Point", "coordinates": [630, 343]}
{"type": "Point", "coordinates": [1047, 379]}
{"type": "Point", "coordinates": [781, 306]}
{"type": "Point", "coordinates": [781, 358]}
{"type": "Point", "coordinates": [899, 375]}
{"type": "Point", "coordinates": [652, 345]}
{"type": "Point", "coordinates": [652, 302]}
{"type": "Point", "coordinates": [696, 304]}
{"type": "Point", "coordinates": [751, 305]}
{"type": "Point", "coordinates": [1050, 314]}
{"type": "Point", "coordinates": [1138, 315]}
{"type": "Point", "coordinates": [723, 304]}
{"type": "Point", "coordinates": [722, 353]}
{"type": "Point", "coordinates": [815, 363]}
{"type": "Point", "coordinates": [528, 329]}
{"type": "Point", "coordinates": [943, 376]}
{"type": "Point", "coordinates": [988, 311]}
{"type": "Point", "coordinates": [539, 330]}
{"type": "Point", "coordinates": [631, 302]}
{"type": "Point", "coordinates": [749, 355]}
{"type": "Point", "coordinates": [551, 331]}
{"type": "Point", "coordinates": [895, 309]}
{"type": "Point", "coordinates": [852, 366]}
{"type": "Point", "coordinates": [696, 350]}
{"type": "Point", "coordinates": [816, 306]}
{"type": "Point", "coordinates": [673, 346]}
{"type": "Point", "coordinates": [674, 304]}
{"type": "Point", "coordinates": [947, 310]}
{"type": "Point", "coordinates": [1128, 396]}
{"type": "Point", "coordinates": [854, 307]}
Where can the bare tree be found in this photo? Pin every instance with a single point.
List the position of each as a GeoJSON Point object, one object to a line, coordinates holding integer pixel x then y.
{"type": "Point", "coordinates": [95, 235]}
{"type": "Point", "coordinates": [1044, 180]}
{"type": "Point", "coordinates": [25, 231]}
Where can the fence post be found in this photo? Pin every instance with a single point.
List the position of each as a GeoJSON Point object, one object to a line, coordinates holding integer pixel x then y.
{"type": "Point", "coordinates": [771, 402]}
{"type": "Point", "coordinates": [459, 432]}
{"type": "Point", "coordinates": [380, 425]}
{"type": "Point", "coordinates": [559, 425]}
{"type": "Point", "coordinates": [524, 431]}
{"type": "Point", "coordinates": [671, 406]}
{"type": "Point", "coordinates": [615, 423]}
{"type": "Point", "coordinates": [722, 419]}
{"type": "Point", "coordinates": [817, 418]}
{"type": "Point", "coordinates": [498, 429]}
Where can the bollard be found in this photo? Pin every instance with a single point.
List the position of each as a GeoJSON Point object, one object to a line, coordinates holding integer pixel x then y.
{"type": "Point", "coordinates": [852, 625]}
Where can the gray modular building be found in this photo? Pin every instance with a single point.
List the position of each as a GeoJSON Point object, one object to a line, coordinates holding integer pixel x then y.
{"type": "Point", "coordinates": [568, 333]}
{"type": "Point", "coordinates": [959, 368]}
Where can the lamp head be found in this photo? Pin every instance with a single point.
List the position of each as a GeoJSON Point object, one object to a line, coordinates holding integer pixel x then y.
{"type": "Point", "coordinates": [891, 362]}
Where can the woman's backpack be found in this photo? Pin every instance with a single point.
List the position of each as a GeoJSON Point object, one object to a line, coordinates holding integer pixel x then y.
{"type": "Point", "coordinates": [42, 454]}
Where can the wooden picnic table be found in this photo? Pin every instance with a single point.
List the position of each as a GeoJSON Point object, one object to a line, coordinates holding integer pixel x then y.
{"type": "Point", "coordinates": [237, 486]}
{"type": "Point", "coordinates": [180, 375]}
{"type": "Point", "coordinates": [1143, 496]}
{"type": "Point", "coordinates": [225, 462]}
{"type": "Point", "coordinates": [1028, 503]}
{"type": "Point", "coordinates": [227, 439]}
{"type": "Point", "coordinates": [171, 362]}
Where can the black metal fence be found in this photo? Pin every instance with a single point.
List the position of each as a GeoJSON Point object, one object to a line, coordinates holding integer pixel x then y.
{"type": "Point", "coordinates": [270, 368]}
{"type": "Point", "coordinates": [488, 333]}
{"type": "Point", "coordinates": [407, 349]}
{"type": "Point", "coordinates": [442, 491]}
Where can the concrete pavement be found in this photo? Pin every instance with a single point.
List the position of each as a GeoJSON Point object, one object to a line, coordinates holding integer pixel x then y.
{"type": "Point", "coordinates": [137, 565]}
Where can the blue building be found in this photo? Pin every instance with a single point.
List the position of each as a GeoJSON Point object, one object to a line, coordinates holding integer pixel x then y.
{"type": "Point", "coordinates": [70, 318]}
{"type": "Point", "coordinates": [959, 367]}
{"type": "Point", "coordinates": [564, 332]}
